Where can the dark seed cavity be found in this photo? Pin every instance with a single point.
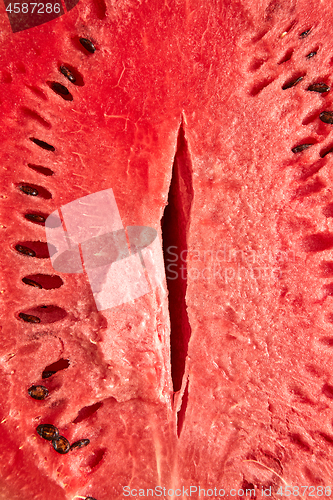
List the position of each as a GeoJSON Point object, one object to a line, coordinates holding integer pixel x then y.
{"type": "Point", "coordinates": [42, 144]}
{"type": "Point", "coordinates": [59, 89]}
{"type": "Point", "coordinates": [305, 33]}
{"type": "Point", "coordinates": [29, 190]}
{"type": "Point", "coordinates": [301, 147]}
{"type": "Point", "coordinates": [324, 153]}
{"type": "Point", "coordinates": [88, 45]}
{"type": "Point", "coordinates": [48, 431]}
{"type": "Point", "coordinates": [288, 85]}
{"type": "Point", "coordinates": [28, 318]}
{"type": "Point", "coordinates": [61, 445]}
{"type": "Point", "coordinates": [25, 250]}
{"type": "Point", "coordinates": [311, 54]}
{"type": "Point", "coordinates": [38, 392]}
{"type": "Point", "coordinates": [80, 444]}
{"type": "Point", "coordinates": [59, 365]}
{"type": "Point", "coordinates": [30, 282]}
{"type": "Point", "coordinates": [40, 169]}
{"type": "Point", "coordinates": [318, 87]}
{"type": "Point", "coordinates": [326, 117]}
{"type": "Point", "coordinates": [35, 218]}
{"type": "Point", "coordinates": [67, 73]}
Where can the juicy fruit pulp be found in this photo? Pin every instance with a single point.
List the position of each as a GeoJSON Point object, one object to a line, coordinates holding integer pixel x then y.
{"type": "Point", "coordinates": [208, 100]}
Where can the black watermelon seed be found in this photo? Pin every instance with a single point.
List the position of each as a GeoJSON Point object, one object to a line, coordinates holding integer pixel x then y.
{"type": "Point", "coordinates": [25, 250]}
{"type": "Point", "coordinates": [38, 392]}
{"type": "Point", "coordinates": [28, 190]}
{"type": "Point", "coordinates": [318, 87]}
{"type": "Point", "coordinates": [305, 33]}
{"type": "Point", "coordinates": [301, 147]}
{"type": "Point", "coordinates": [311, 54]}
{"type": "Point", "coordinates": [61, 445]}
{"type": "Point", "coordinates": [30, 282]}
{"type": "Point", "coordinates": [42, 144]}
{"type": "Point", "coordinates": [88, 45]}
{"type": "Point", "coordinates": [90, 498]}
{"type": "Point", "coordinates": [293, 83]}
{"type": "Point", "coordinates": [48, 431]}
{"type": "Point", "coordinates": [326, 117]}
{"type": "Point", "coordinates": [48, 374]}
{"type": "Point", "coordinates": [80, 444]}
{"type": "Point", "coordinates": [67, 73]}
{"type": "Point", "coordinates": [28, 318]}
{"type": "Point", "coordinates": [59, 89]}
{"type": "Point", "coordinates": [35, 217]}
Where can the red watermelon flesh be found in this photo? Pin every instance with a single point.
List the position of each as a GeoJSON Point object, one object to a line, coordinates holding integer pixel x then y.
{"type": "Point", "coordinates": [199, 104]}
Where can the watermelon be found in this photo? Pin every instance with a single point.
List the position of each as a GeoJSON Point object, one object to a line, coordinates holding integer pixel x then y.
{"type": "Point", "coordinates": [166, 267]}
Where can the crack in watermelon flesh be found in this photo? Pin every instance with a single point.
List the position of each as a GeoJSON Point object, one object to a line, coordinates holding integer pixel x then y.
{"type": "Point", "coordinates": [174, 231]}
{"type": "Point", "coordinates": [227, 383]}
